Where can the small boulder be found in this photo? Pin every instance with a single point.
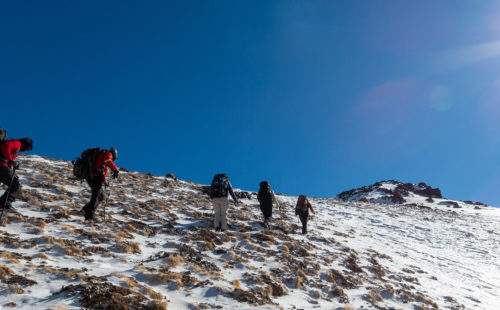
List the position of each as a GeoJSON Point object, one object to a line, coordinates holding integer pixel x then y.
{"type": "Point", "coordinates": [171, 176]}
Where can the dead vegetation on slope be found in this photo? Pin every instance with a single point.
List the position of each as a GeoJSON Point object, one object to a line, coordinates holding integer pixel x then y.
{"type": "Point", "coordinates": [190, 254]}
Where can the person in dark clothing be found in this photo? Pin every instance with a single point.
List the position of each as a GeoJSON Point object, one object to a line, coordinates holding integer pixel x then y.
{"type": "Point", "coordinates": [302, 210]}
{"type": "Point", "coordinates": [219, 192]}
{"type": "Point", "coordinates": [98, 178]}
{"type": "Point", "coordinates": [8, 153]}
{"type": "Point", "coordinates": [266, 199]}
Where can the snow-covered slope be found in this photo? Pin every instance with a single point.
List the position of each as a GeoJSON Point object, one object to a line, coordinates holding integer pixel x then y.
{"type": "Point", "coordinates": [156, 249]}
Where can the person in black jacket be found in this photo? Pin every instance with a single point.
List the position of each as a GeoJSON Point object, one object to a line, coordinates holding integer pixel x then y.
{"type": "Point", "coordinates": [266, 199]}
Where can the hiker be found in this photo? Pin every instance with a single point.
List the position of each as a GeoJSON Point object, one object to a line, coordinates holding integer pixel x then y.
{"type": "Point", "coordinates": [8, 166]}
{"type": "Point", "coordinates": [219, 191]}
{"type": "Point", "coordinates": [97, 178]}
{"type": "Point", "coordinates": [266, 199]}
{"type": "Point", "coordinates": [302, 210]}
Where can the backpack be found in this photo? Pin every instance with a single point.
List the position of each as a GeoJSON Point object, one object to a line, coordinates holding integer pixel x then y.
{"type": "Point", "coordinates": [3, 136]}
{"type": "Point", "coordinates": [265, 194]}
{"type": "Point", "coordinates": [219, 185]}
{"type": "Point", "coordinates": [84, 166]}
{"type": "Point", "coordinates": [302, 207]}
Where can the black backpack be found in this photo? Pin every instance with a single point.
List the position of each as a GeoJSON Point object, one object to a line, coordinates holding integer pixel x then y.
{"type": "Point", "coordinates": [3, 136]}
{"type": "Point", "coordinates": [265, 194]}
{"type": "Point", "coordinates": [84, 166]}
{"type": "Point", "coordinates": [303, 206]}
{"type": "Point", "coordinates": [219, 186]}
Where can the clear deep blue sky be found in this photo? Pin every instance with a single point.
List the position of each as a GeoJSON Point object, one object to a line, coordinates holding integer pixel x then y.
{"type": "Point", "coordinates": [315, 96]}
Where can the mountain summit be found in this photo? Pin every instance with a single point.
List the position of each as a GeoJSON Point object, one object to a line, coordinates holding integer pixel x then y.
{"type": "Point", "coordinates": [394, 192]}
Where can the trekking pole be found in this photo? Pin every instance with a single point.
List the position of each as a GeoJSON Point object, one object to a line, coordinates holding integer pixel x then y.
{"type": "Point", "coordinates": [8, 192]}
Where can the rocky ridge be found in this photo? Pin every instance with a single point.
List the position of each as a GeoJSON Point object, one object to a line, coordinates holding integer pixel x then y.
{"type": "Point", "coordinates": [394, 192]}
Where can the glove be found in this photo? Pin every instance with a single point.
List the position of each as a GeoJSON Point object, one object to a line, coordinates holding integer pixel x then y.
{"type": "Point", "coordinates": [115, 174]}
{"type": "Point", "coordinates": [14, 164]}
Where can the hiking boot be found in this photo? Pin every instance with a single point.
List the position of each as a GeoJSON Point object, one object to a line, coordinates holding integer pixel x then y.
{"type": "Point", "coordinates": [89, 216]}
{"type": "Point", "coordinates": [217, 228]}
{"type": "Point", "coordinates": [8, 207]}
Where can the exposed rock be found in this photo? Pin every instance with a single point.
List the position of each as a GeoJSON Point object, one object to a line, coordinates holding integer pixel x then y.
{"type": "Point", "coordinates": [243, 195]}
{"type": "Point", "coordinates": [390, 191]}
{"type": "Point", "coordinates": [171, 176]}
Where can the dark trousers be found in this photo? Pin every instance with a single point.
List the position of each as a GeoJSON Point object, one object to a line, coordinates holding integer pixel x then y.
{"type": "Point", "coordinates": [303, 218]}
{"type": "Point", "coordinates": [98, 196]}
{"type": "Point", "coordinates": [6, 177]}
{"type": "Point", "coordinates": [267, 209]}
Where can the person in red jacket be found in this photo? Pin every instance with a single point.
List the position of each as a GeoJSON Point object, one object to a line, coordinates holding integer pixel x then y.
{"type": "Point", "coordinates": [104, 160]}
{"type": "Point", "coordinates": [8, 154]}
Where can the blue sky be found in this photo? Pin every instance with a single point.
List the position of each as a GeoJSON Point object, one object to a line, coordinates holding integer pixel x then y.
{"type": "Point", "coordinates": [315, 96]}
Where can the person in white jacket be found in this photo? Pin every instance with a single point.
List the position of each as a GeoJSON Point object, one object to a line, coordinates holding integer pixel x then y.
{"type": "Point", "coordinates": [219, 192]}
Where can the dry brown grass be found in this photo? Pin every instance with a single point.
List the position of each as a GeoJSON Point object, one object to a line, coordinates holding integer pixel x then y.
{"type": "Point", "coordinates": [41, 224]}
{"type": "Point", "coordinates": [73, 250]}
{"type": "Point", "coordinates": [316, 294]}
{"type": "Point", "coordinates": [70, 274]}
{"type": "Point", "coordinates": [426, 300]}
{"type": "Point", "coordinates": [68, 228]}
{"type": "Point", "coordinates": [302, 274]}
{"type": "Point", "coordinates": [298, 282]}
{"type": "Point", "coordinates": [130, 282]}
{"type": "Point", "coordinates": [236, 283]}
{"type": "Point", "coordinates": [390, 289]}
{"type": "Point", "coordinates": [128, 247]}
{"type": "Point", "coordinates": [130, 227]}
{"type": "Point", "coordinates": [52, 240]}
{"type": "Point", "coordinates": [212, 274]}
{"type": "Point", "coordinates": [164, 277]}
{"type": "Point", "coordinates": [5, 272]}
{"type": "Point", "coordinates": [113, 236]}
{"type": "Point", "coordinates": [373, 297]}
{"type": "Point", "coordinates": [59, 308]}
{"type": "Point", "coordinates": [11, 257]}
{"type": "Point", "coordinates": [13, 288]}
{"type": "Point", "coordinates": [158, 305]}
{"type": "Point", "coordinates": [153, 294]}
{"type": "Point", "coordinates": [174, 260]}
{"type": "Point", "coordinates": [266, 291]}
{"type": "Point", "coordinates": [62, 213]}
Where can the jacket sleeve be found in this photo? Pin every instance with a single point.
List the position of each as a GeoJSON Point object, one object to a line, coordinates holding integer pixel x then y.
{"type": "Point", "coordinates": [108, 161]}
{"type": "Point", "coordinates": [230, 188]}
{"type": "Point", "coordinates": [10, 149]}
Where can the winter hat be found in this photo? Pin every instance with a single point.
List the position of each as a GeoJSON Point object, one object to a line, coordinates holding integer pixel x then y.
{"type": "Point", "coordinates": [27, 144]}
{"type": "Point", "coordinates": [114, 152]}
